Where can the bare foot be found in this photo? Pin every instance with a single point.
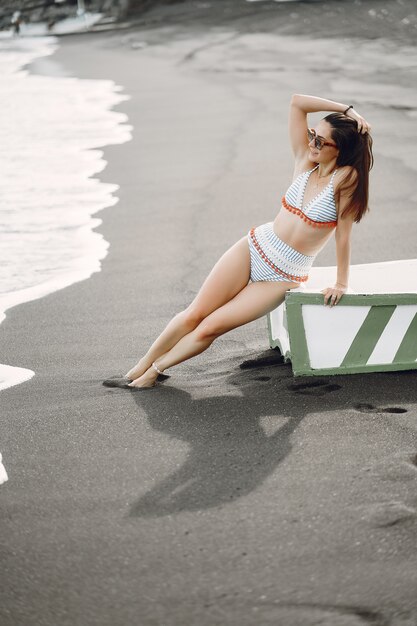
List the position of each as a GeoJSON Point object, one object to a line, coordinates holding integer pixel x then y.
{"type": "Point", "coordinates": [148, 379]}
{"type": "Point", "coordinates": [140, 368]}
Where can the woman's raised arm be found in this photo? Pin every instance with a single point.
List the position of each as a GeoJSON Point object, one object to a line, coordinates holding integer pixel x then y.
{"type": "Point", "coordinates": [303, 104]}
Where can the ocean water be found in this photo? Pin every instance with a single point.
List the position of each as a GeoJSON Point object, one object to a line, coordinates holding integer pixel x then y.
{"type": "Point", "coordinates": [51, 131]}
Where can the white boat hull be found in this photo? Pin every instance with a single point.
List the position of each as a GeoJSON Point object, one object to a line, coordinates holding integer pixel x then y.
{"type": "Point", "coordinates": [373, 328]}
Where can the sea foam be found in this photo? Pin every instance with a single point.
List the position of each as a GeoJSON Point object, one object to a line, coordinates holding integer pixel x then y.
{"type": "Point", "coordinates": [51, 129]}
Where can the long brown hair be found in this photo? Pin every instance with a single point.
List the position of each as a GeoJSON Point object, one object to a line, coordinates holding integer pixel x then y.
{"type": "Point", "coordinates": [355, 149]}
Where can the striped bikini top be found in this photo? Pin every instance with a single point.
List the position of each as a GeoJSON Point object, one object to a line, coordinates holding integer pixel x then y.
{"type": "Point", "coordinates": [320, 211]}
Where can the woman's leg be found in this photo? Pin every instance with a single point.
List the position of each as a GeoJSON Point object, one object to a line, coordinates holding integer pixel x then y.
{"type": "Point", "coordinates": [229, 276]}
{"type": "Point", "coordinates": [254, 301]}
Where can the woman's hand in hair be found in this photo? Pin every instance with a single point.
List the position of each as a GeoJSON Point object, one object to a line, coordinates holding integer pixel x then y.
{"type": "Point", "coordinates": [363, 126]}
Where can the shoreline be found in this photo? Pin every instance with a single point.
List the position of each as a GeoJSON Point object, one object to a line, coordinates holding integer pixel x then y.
{"type": "Point", "coordinates": [233, 491]}
{"type": "Point", "coordinates": [46, 267]}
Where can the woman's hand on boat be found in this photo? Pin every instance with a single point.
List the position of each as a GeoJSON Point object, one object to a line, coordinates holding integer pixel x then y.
{"type": "Point", "coordinates": [332, 295]}
{"type": "Point", "coordinates": [363, 126]}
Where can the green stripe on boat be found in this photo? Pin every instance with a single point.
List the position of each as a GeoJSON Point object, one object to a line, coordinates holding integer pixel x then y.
{"type": "Point", "coordinates": [407, 351]}
{"type": "Point", "coordinates": [368, 335]}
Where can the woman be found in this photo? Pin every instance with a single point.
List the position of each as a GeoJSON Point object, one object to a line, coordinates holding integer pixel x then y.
{"type": "Point", "coordinates": [329, 192]}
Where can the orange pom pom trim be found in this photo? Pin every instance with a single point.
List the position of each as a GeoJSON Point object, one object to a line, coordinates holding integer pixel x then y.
{"type": "Point", "coordinates": [295, 279]}
{"type": "Point", "coordinates": [304, 217]}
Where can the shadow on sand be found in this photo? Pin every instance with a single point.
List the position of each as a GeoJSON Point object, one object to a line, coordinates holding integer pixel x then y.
{"type": "Point", "coordinates": [230, 453]}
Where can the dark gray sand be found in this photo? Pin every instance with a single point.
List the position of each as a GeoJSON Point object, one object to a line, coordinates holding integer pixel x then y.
{"type": "Point", "coordinates": [232, 493]}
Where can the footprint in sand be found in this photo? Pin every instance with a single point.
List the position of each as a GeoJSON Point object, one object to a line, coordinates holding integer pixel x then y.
{"type": "Point", "coordinates": [385, 514]}
{"type": "Point", "coordinates": [370, 408]}
{"type": "Point", "coordinates": [400, 468]}
{"type": "Point", "coordinates": [314, 388]}
{"type": "Point", "coordinates": [309, 614]}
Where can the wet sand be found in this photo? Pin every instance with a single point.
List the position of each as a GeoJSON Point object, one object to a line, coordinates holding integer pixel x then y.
{"type": "Point", "coordinates": [232, 493]}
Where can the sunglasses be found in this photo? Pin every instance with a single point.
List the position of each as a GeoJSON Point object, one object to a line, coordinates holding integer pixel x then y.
{"type": "Point", "coordinates": [319, 142]}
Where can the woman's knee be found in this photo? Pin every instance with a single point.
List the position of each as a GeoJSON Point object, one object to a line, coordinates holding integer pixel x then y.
{"type": "Point", "coordinates": [208, 330]}
{"type": "Point", "coordinates": [192, 317]}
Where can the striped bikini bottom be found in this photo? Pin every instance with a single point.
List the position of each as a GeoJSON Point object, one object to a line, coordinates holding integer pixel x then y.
{"type": "Point", "coordinates": [273, 259]}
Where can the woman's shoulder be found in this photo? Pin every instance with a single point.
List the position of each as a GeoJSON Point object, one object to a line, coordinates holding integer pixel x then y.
{"type": "Point", "coordinates": [344, 183]}
{"type": "Point", "coordinates": [345, 177]}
